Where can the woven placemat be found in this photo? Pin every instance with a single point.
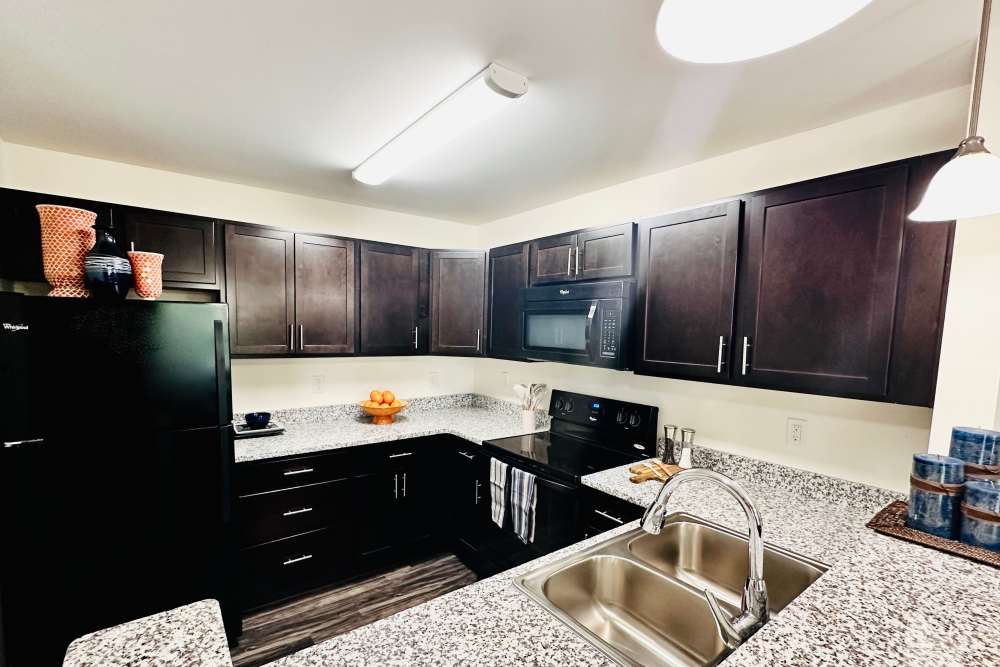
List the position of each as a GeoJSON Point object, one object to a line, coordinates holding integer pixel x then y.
{"type": "Point", "coordinates": [891, 521]}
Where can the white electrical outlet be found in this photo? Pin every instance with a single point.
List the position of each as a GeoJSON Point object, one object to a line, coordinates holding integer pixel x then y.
{"type": "Point", "coordinates": [796, 432]}
{"type": "Point", "coordinates": [317, 383]}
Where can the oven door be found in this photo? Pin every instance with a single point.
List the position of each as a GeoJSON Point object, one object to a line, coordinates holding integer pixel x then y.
{"type": "Point", "coordinates": [561, 330]}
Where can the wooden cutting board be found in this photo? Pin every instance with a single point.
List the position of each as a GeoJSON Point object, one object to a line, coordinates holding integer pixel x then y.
{"type": "Point", "coordinates": [644, 472]}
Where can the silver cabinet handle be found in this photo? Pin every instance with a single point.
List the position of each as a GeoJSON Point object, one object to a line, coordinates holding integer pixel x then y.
{"type": "Point", "coordinates": [20, 443]}
{"type": "Point", "coordinates": [297, 471]}
{"type": "Point", "coordinates": [395, 489]}
{"type": "Point", "coordinates": [718, 363]}
{"type": "Point", "coordinates": [396, 456]}
{"type": "Point", "coordinates": [291, 337]}
{"type": "Point", "coordinates": [746, 350]}
{"type": "Point", "coordinates": [297, 559]}
{"type": "Point", "coordinates": [302, 337]}
{"type": "Point", "coordinates": [608, 516]}
{"type": "Point", "coordinates": [416, 340]}
{"type": "Point", "coordinates": [301, 510]}
{"type": "Point", "coordinates": [404, 484]}
{"type": "Point", "coordinates": [578, 260]}
{"type": "Point", "coordinates": [478, 336]}
{"type": "Point", "coordinates": [467, 455]}
{"type": "Point", "coordinates": [477, 492]}
{"type": "Point", "coordinates": [569, 261]}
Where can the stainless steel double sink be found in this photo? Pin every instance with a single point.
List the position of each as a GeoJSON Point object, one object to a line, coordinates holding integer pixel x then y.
{"type": "Point", "coordinates": [639, 597]}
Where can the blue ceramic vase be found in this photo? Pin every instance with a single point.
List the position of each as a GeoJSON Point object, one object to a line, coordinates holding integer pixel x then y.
{"type": "Point", "coordinates": [107, 271]}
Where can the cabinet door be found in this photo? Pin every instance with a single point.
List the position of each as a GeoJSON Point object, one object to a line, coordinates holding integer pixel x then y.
{"type": "Point", "coordinates": [189, 245]}
{"type": "Point", "coordinates": [324, 294]}
{"type": "Point", "coordinates": [552, 259]}
{"type": "Point", "coordinates": [604, 253]}
{"type": "Point", "coordinates": [458, 293]}
{"type": "Point", "coordinates": [390, 280]}
{"type": "Point", "coordinates": [818, 298]}
{"type": "Point", "coordinates": [687, 288]}
{"type": "Point", "coordinates": [508, 275]}
{"type": "Point", "coordinates": [260, 289]}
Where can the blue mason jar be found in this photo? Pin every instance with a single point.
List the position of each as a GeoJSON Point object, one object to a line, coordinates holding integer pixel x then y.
{"type": "Point", "coordinates": [936, 495]}
{"type": "Point", "coordinates": [981, 515]}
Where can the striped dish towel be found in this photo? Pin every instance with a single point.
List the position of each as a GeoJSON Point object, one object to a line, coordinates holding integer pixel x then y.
{"type": "Point", "coordinates": [523, 498]}
{"type": "Point", "coordinates": [498, 480]}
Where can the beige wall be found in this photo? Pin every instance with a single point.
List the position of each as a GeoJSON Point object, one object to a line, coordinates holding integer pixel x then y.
{"type": "Point", "coordinates": [260, 384]}
{"type": "Point", "coordinates": [968, 390]}
{"type": "Point", "coordinates": [858, 440]}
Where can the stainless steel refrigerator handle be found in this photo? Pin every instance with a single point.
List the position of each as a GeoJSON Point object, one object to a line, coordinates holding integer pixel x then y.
{"type": "Point", "coordinates": [569, 261]}
{"type": "Point", "coordinates": [718, 363]}
{"type": "Point", "coordinates": [19, 443]}
{"type": "Point", "coordinates": [578, 260]}
{"type": "Point", "coordinates": [302, 337]}
{"type": "Point", "coordinates": [608, 516]}
{"type": "Point", "coordinates": [746, 349]}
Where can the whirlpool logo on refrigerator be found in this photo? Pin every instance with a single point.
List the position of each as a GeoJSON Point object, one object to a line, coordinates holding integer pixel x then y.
{"type": "Point", "coordinates": [7, 326]}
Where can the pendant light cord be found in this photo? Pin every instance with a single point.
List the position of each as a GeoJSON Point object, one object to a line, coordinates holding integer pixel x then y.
{"type": "Point", "coordinates": [977, 78]}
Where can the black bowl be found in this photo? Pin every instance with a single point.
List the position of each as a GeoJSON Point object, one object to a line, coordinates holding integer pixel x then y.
{"type": "Point", "coordinates": [257, 419]}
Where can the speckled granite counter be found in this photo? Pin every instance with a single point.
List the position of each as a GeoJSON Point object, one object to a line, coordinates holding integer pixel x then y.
{"type": "Point", "coordinates": [475, 418]}
{"type": "Point", "coordinates": [186, 636]}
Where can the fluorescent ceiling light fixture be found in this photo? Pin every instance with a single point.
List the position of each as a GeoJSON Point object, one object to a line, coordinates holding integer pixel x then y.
{"type": "Point", "coordinates": [480, 98]}
{"type": "Point", "coordinates": [967, 186]}
{"type": "Point", "coordinates": [725, 31]}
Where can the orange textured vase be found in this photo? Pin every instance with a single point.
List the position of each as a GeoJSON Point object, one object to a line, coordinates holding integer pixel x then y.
{"type": "Point", "coordinates": [147, 271]}
{"type": "Point", "coordinates": [67, 237]}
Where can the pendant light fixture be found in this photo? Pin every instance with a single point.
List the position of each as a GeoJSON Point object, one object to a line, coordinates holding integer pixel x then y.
{"type": "Point", "coordinates": [726, 31]}
{"type": "Point", "coordinates": [967, 186]}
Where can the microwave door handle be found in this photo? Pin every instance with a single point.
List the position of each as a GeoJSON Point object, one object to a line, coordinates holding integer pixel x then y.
{"type": "Point", "coordinates": [590, 325]}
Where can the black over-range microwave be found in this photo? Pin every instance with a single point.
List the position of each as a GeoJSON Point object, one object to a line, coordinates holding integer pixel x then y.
{"type": "Point", "coordinates": [582, 323]}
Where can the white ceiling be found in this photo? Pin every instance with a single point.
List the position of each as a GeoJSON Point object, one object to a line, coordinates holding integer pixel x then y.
{"type": "Point", "coordinates": [292, 95]}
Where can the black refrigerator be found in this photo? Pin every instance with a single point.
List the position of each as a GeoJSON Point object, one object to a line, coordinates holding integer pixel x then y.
{"type": "Point", "coordinates": [116, 466]}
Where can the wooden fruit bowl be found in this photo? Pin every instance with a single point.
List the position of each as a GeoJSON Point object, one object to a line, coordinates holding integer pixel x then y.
{"type": "Point", "coordinates": [382, 415]}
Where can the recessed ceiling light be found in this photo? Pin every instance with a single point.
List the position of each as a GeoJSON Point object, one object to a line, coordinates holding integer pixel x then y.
{"type": "Point", "coordinates": [725, 31]}
{"type": "Point", "coordinates": [491, 90]}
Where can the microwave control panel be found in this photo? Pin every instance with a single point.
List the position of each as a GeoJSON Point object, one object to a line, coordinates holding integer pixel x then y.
{"type": "Point", "coordinates": [609, 333]}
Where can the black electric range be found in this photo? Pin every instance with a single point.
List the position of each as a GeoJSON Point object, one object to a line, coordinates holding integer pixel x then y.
{"type": "Point", "coordinates": [588, 434]}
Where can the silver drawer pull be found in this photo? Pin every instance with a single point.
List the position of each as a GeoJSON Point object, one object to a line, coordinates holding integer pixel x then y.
{"type": "Point", "coordinates": [301, 510]}
{"type": "Point", "coordinates": [396, 456]}
{"type": "Point", "coordinates": [608, 516]}
{"type": "Point", "coordinates": [297, 559]}
{"type": "Point", "coordinates": [297, 471]}
{"type": "Point", "coordinates": [467, 455]}
{"type": "Point", "coordinates": [18, 443]}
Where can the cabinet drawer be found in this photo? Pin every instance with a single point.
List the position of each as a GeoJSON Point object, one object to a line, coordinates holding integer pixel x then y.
{"type": "Point", "coordinates": [279, 569]}
{"type": "Point", "coordinates": [601, 512]}
{"type": "Point", "coordinates": [274, 474]}
{"type": "Point", "coordinates": [275, 514]}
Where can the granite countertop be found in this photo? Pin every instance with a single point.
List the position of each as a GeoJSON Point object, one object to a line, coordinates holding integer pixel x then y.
{"type": "Point", "coordinates": [474, 418]}
{"type": "Point", "coordinates": [187, 636]}
{"type": "Point", "coordinates": [883, 601]}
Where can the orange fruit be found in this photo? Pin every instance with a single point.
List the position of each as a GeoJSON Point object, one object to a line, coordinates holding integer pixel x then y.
{"type": "Point", "coordinates": [396, 404]}
{"type": "Point", "coordinates": [376, 396]}
{"type": "Point", "coordinates": [388, 396]}
{"type": "Point", "coordinates": [384, 405]}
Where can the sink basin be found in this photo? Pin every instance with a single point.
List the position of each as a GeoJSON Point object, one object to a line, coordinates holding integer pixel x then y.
{"type": "Point", "coordinates": [704, 556]}
{"type": "Point", "coordinates": [639, 597]}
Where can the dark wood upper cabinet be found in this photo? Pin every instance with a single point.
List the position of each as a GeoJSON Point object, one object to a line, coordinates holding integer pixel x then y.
{"type": "Point", "coordinates": [190, 245]}
{"type": "Point", "coordinates": [591, 254]}
{"type": "Point", "coordinates": [458, 301]}
{"type": "Point", "coordinates": [260, 281]}
{"type": "Point", "coordinates": [507, 276]}
{"type": "Point", "coordinates": [552, 259]}
{"type": "Point", "coordinates": [818, 293]}
{"type": "Point", "coordinates": [687, 291]}
{"type": "Point", "coordinates": [605, 252]}
{"type": "Point", "coordinates": [390, 300]}
{"type": "Point", "coordinates": [325, 295]}
{"type": "Point", "coordinates": [920, 300]}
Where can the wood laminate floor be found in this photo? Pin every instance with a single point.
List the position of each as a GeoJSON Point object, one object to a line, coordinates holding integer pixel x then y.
{"type": "Point", "coordinates": [302, 622]}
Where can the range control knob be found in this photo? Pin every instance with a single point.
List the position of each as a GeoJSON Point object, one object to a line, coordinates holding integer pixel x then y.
{"type": "Point", "coordinates": [620, 417]}
{"type": "Point", "coordinates": [634, 420]}
{"type": "Point", "coordinates": [558, 404]}
{"type": "Point", "coordinates": [568, 405]}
